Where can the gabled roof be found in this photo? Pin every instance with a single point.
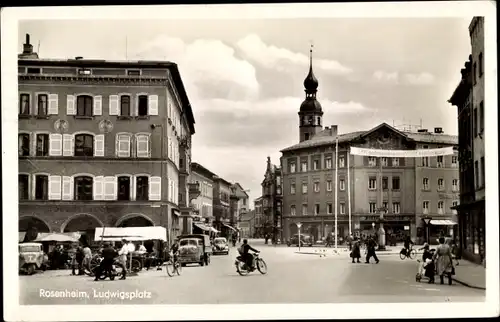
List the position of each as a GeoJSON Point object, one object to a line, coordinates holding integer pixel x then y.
{"type": "Point", "coordinates": [241, 190]}
{"type": "Point", "coordinates": [196, 167]}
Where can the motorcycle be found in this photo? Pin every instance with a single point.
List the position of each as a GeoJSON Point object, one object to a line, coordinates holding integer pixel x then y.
{"type": "Point", "coordinates": [243, 270]}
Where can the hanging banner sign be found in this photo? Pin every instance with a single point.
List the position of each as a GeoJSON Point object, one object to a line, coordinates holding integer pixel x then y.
{"type": "Point", "coordinates": [402, 153]}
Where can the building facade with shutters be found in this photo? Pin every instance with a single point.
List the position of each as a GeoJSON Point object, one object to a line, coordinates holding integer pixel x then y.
{"type": "Point", "coordinates": [272, 201]}
{"type": "Point", "coordinates": [203, 204]}
{"type": "Point", "coordinates": [100, 143]}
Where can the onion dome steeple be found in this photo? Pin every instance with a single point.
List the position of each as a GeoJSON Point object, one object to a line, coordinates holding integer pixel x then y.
{"type": "Point", "coordinates": [310, 87]}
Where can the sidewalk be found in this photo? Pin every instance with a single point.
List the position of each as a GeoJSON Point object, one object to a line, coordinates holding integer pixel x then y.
{"type": "Point", "coordinates": [470, 274]}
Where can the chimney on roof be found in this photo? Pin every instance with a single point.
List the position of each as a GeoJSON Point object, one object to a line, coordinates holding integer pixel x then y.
{"type": "Point", "coordinates": [422, 131]}
{"type": "Point", "coordinates": [438, 130]}
{"type": "Point", "coordinates": [333, 130]}
{"type": "Point", "coordinates": [28, 50]}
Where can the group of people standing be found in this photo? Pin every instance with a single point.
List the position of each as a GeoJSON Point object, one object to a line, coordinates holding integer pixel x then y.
{"type": "Point", "coordinates": [355, 247]}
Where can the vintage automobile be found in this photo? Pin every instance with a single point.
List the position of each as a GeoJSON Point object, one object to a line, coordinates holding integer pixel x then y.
{"type": "Point", "coordinates": [305, 240]}
{"type": "Point", "coordinates": [31, 258]}
{"type": "Point", "coordinates": [220, 246]}
{"type": "Point", "coordinates": [194, 249]}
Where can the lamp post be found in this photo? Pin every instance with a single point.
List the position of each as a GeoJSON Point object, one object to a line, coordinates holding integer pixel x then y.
{"type": "Point", "coordinates": [427, 220]}
{"type": "Point", "coordinates": [298, 226]}
{"type": "Point", "coordinates": [162, 159]}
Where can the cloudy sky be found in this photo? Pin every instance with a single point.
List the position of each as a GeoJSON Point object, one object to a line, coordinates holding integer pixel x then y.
{"type": "Point", "coordinates": [244, 77]}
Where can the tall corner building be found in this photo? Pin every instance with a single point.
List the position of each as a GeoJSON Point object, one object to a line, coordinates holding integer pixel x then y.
{"type": "Point", "coordinates": [409, 189]}
{"type": "Point", "coordinates": [102, 143]}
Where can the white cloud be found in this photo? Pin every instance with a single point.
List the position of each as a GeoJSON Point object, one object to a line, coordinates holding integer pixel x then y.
{"type": "Point", "coordinates": [204, 61]}
{"type": "Point", "coordinates": [420, 79]}
{"type": "Point", "coordinates": [381, 75]}
{"type": "Point", "coordinates": [281, 58]}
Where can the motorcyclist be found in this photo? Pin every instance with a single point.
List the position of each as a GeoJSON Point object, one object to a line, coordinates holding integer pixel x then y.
{"type": "Point", "coordinates": [108, 254]}
{"type": "Point", "coordinates": [407, 244]}
{"type": "Point", "coordinates": [245, 255]}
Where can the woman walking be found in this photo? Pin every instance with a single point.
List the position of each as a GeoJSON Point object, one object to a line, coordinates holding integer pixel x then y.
{"type": "Point", "coordinates": [356, 251]}
{"type": "Point", "coordinates": [443, 260]}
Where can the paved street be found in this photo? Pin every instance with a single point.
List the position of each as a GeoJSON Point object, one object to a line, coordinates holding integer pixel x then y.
{"type": "Point", "coordinates": [291, 278]}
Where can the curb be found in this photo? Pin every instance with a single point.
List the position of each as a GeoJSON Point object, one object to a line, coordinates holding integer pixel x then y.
{"type": "Point", "coordinates": [317, 254]}
{"type": "Point", "coordinates": [469, 285]}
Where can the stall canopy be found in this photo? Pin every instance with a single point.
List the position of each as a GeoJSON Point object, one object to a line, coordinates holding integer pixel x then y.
{"type": "Point", "coordinates": [442, 222]}
{"type": "Point", "coordinates": [130, 233]}
{"type": "Point", "coordinates": [58, 237]}
{"type": "Point", "coordinates": [230, 227]}
{"type": "Point", "coordinates": [202, 226]}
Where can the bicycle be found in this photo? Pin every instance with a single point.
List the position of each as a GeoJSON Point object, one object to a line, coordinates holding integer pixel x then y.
{"type": "Point", "coordinates": [172, 266]}
{"type": "Point", "coordinates": [410, 253]}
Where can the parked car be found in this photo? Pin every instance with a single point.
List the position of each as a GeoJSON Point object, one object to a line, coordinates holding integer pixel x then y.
{"type": "Point", "coordinates": [31, 258]}
{"type": "Point", "coordinates": [194, 249]}
{"type": "Point", "coordinates": [220, 246]}
{"type": "Point", "coordinates": [305, 240]}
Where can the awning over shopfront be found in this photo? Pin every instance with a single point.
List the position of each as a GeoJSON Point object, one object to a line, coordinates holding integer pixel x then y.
{"type": "Point", "coordinates": [230, 227]}
{"type": "Point", "coordinates": [130, 233]}
{"type": "Point", "coordinates": [442, 222]}
{"type": "Point", "coordinates": [212, 229]}
{"type": "Point", "coordinates": [202, 226]}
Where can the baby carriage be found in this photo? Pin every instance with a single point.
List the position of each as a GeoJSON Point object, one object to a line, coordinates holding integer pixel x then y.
{"type": "Point", "coordinates": [426, 268]}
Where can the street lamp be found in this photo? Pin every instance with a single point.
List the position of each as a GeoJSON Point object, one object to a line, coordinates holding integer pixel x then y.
{"type": "Point", "coordinates": [298, 226]}
{"type": "Point", "coordinates": [373, 225]}
{"type": "Point", "coordinates": [427, 220]}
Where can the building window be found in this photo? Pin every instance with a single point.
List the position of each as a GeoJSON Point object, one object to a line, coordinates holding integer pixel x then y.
{"type": "Point", "coordinates": [372, 183]}
{"type": "Point", "coordinates": [454, 204]}
{"type": "Point", "coordinates": [142, 141]}
{"type": "Point", "coordinates": [143, 105]}
{"type": "Point", "coordinates": [278, 180]}
{"type": "Point", "coordinates": [480, 61]}
{"type": "Point", "coordinates": [84, 145]}
{"type": "Point", "coordinates": [292, 167]}
{"type": "Point", "coordinates": [316, 187]}
{"type": "Point", "coordinates": [83, 188]}
{"type": "Point", "coordinates": [440, 162]}
{"type": "Point", "coordinates": [396, 207]}
{"type": "Point", "coordinates": [474, 69]}
{"type": "Point", "coordinates": [454, 161]}
{"type": "Point", "coordinates": [304, 188]}
{"type": "Point", "coordinates": [23, 184]}
{"type": "Point", "coordinates": [292, 210]}
{"type": "Point", "coordinates": [384, 162]}
{"type": "Point", "coordinates": [481, 117]}
{"type": "Point", "coordinates": [425, 183]}
{"type": "Point", "coordinates": [474, 122]}
{"type": "Point", "coordinates": [315, 164]}
{"type": "Point", "coordinates": [24, 144]}
{"type": "Point", "coordinates": [41, 187]}
{"type": "Point", "coordinates": [24, 104]}
{"type": "Point", "coordinates": [476, 171]}
{"type": "Point", "coordinates": [316, 209]}
{"type": "Point", "coordinates": [395, 162]}
{"type": "Point", "coordinates": [385, 205]}
{"type": "Point", "coordinates": [292, 188]}
{"type": "Point", "coordinates": [84, 105]}
{"type": "Point", "coordinates": [328, 163]}
{"type": "Point", "coordinates": [304, 209]}
{"type": "Point", "coordinates": [304, 166]}
{"type": "Point", "coordinates": [329, 208]}
{"type": "Point", "coordinates": [306, 136]}
{"type": "Point", "coordinates": [318, 120]}
{"type": "Point", "coordinates": [341, 161]}
{"type": "Point", "coordinates": [329, 185]}
{"type": "Point", "coordinates": [425, 207]}
{"type": "Point", "coordinates": [123, 145]}
{"type": "Point", "coordinates": [385, 183]}
{"type": "Point", "coordinates": [373, 207]}
{"type": "Point", "coordinates": [483, 178]}
{"type": "Point", "coordinates": [395, 183]}
{"type": "Point", "coordinates": [372, 161]}
{"type": "Point", "coordinates": [142, 188]}
{"type": "Point", "coordinates": [425, 161]}
{"type": "Point", "coordinates": [125, 105]}
{"type": "Point", "coordinates": [124, 188]}
{"type": "Point", "coordinates": [342, 184]}
{"type": "Point", "coordinates": [42, 145]}
{"type": "Point", "coordinates": [342, 208]}
{"type": "Point", "coordinates": [440, 207]}
{"type": "Point", "coordinates": [454, 185]}
{"type": "Point", "coordinates": [42, 104]}
{"type": "Point", "coordinates": [440, 184]}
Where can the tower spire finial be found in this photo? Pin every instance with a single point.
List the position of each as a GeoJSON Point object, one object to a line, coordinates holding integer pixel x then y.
{"type": "Point", "coordinates": [311, 56]}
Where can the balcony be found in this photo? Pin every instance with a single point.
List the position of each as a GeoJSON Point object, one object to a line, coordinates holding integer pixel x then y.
{"type": "Point", "coordinates": [194, 190]}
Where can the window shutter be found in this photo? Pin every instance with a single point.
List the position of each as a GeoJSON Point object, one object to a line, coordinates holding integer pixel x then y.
{"type": "Point", "coordinates": [70, 105]}
{"type": "Point", "coordinates": [142, 146]}
{"type": "Point", "coordinates": [153, 105]}
{"type": "Point", "coordinates": [155, 188]}
{"type": "Point", "coordinates": [67, 188]}
{"type": "Point", "coordinates": [134, 111]}
{"type": "Point", "coordinates": [99, 145]}
{"type": "Point", "coordinates": [54, 187]}
{"type": "Point", "coordinates": [123, 145]}
{"type": "Point", "coordinates": [98, 105]}
{"type": "Point", "coordinates": [110, 187]}
{"type": "Point", "coordinates": [114, 108]}
{"type": "Point", "coordinates": [68, 144]}
{"type": "Point", "coordinates": [53, 104]}
{"type": "Point", "coordinates": [32, 144]}
{"type": "Point", "coordinates": [98, 190]}
{"type": "Point", "coordinates": [55, 144]}
{"type": "Point", "coordinates": [133, 192]}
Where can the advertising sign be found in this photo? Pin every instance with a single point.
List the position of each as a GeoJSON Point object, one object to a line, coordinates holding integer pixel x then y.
{"type": "Point", "coordinates": [402, 153]}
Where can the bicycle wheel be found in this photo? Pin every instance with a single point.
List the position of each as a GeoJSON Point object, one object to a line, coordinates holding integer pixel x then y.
{"type": "Point", "coordinates": [402, 255]}
{"type": "Point", "coordinates": [178, 268]}
{"type": "Point", "coordinates": [261, 266]}
{"type": "Point", "coordinates": [136, 265]}
{"type": "Point", "coordinates": [412, 254]}
{"type": "Point", "coordinates": [169, 267]}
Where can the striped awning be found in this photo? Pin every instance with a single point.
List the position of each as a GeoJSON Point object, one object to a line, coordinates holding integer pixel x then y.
{"type": "Point", "coordinates": [442, 222]}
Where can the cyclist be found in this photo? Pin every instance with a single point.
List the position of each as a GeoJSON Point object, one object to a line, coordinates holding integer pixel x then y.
{"type": "Point", "coordinates": [175, 250]}
{"type": "Point", "coordinates": [407, 243]}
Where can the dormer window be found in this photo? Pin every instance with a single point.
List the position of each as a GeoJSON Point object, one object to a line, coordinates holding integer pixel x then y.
{"type": "Point", "coordinates": [134, 72]}
{"type": "Point", "coordinates": [84, 71]}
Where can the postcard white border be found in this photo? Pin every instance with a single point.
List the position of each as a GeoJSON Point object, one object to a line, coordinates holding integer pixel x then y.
{"type": "Point", "coordinates": [465, 9]}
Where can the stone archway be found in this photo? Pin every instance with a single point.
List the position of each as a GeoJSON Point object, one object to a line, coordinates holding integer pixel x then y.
{"type": "Point", "coordinates": [85, 224]}
{"type": "Point", "coordinates": [135, 220]}
{"type": "Point", "coordinates": [32, 225]}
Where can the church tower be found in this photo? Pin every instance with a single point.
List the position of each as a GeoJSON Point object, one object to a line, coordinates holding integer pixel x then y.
{"type": "Point", "coordinates": [310, 113]}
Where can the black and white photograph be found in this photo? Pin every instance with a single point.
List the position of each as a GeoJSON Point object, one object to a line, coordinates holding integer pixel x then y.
{"type": "Point", "coordinates": [250, 161]}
